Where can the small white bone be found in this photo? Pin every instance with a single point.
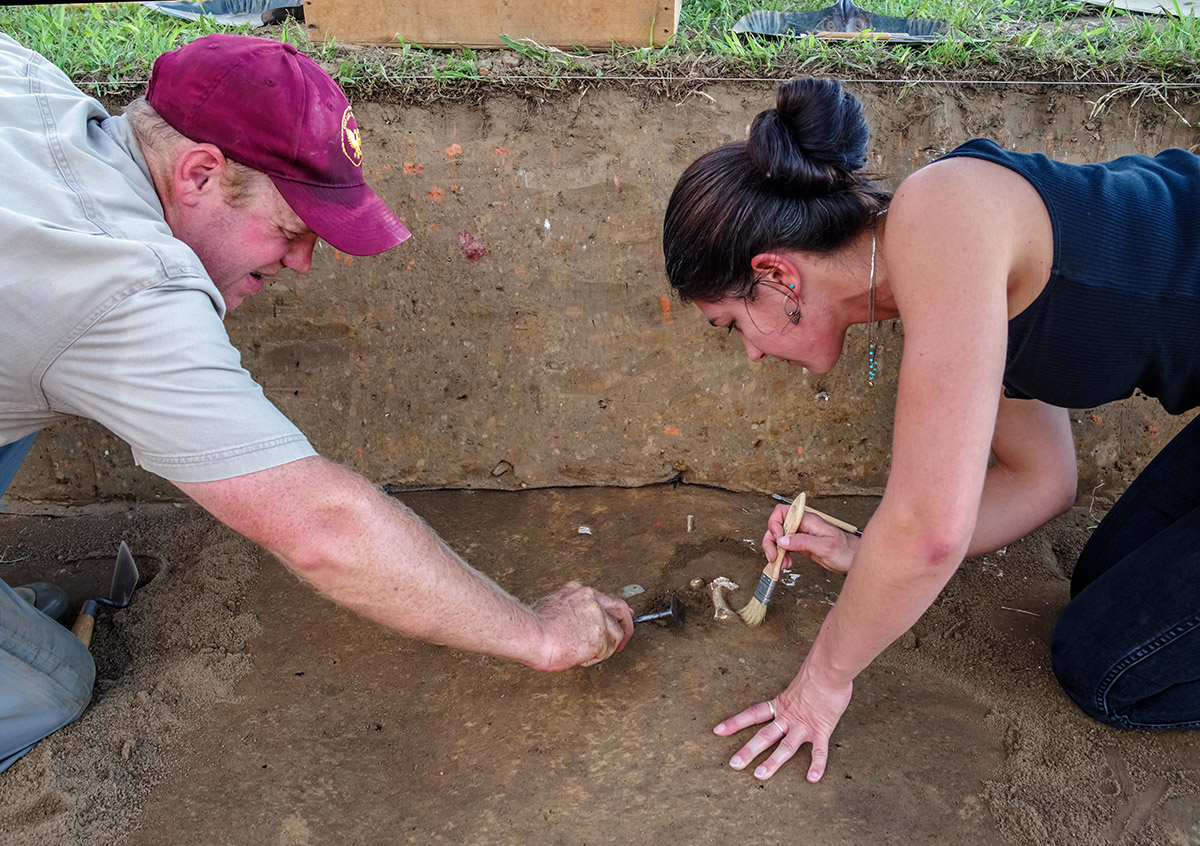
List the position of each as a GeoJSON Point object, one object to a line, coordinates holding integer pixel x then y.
{"type": "Point", "coordinates": [722, 611]}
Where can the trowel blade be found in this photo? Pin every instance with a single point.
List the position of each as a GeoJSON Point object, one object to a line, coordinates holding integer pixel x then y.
{"type": "Point", "coordinates": [125, 577]}
{"type": "Point", "coordinates": [678, 611]}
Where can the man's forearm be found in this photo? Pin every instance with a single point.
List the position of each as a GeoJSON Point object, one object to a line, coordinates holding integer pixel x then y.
{"type": "Point", "coordinates": [373, 555]}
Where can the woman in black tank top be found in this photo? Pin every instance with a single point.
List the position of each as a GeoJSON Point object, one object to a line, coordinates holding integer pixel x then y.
{"type": "Point", "coordinates": [1004, 268]}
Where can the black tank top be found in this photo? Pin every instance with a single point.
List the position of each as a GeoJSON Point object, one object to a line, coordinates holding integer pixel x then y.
{"type": "Point", "coordinates": [1121, 310]}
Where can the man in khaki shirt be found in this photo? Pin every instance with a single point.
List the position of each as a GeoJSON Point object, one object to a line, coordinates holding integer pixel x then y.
{"type": "Point", "coordinates": [127, 240]}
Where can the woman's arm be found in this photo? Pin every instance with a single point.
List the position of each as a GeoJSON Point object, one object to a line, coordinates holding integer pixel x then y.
{"type": "Point", "coordinates": [1032, 480]}
{"type": "Point", "coordinates": [954, 235]}
{"type": "Point", "coordinates": [1033, 477]}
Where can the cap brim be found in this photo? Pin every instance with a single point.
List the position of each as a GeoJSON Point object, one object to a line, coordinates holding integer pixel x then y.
{"type": "Point", "coordinates": [353, 219]}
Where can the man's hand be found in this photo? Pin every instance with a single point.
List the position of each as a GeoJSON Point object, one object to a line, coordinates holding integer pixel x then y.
{"type": "Point", "coordinates": [581, 627]}
{"type": "Point", "coordinates": [373, 555]}
{"type": "Point", "coordinates": [826, 545]}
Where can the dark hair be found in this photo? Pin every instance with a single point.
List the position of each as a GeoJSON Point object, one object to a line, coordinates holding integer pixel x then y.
{"type": "Point", "coordinates": [794, 184]}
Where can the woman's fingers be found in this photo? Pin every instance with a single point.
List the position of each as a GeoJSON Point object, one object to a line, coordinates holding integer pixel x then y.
{"type": "Point", "coordinates": [789, 742]}
{"type": "Point", "coordinates": [807, 712]}
{"type": "Point", "coordinates": [753, 715]}
{"type": "Point", "coordinates": [788, 746]}
{"type": "Point", "coordinates": [825, 545]}
{"type": "Point", "coordinates": [820, 755]}
{"type": "Point", "coordinates": [773, 533]}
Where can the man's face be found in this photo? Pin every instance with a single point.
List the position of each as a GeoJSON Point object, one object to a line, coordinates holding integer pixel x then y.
{"type": "Point", "coordinates": [241, 245]}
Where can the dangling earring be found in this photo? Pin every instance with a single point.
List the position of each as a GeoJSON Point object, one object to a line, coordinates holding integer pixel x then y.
{"type": "Point", "coordinates": [793, 314]}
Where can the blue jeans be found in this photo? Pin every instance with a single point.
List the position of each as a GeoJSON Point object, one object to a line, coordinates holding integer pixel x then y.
{"type": "Point", "coordinates": [1127, 647]}
{"type": "Point", "coordinates": [46, 674]}
{"type": "Point", "coordinates": [11, 456]}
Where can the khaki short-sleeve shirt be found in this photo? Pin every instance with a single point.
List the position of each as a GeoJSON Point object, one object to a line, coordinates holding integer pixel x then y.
{"type": "Point", "coordinates": [103, 313]}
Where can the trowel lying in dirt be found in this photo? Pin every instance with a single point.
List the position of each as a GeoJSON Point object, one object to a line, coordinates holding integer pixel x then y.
{"type": "Point", "coordinates": [676, 614]}
{"type": "Point", "coordinates": [124, 580]}
{"type": "Point", "coordinates": [841, 20]}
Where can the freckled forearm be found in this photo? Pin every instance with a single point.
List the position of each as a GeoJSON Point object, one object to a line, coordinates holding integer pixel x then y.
{"type": "Point", "coordinates": [884, 594]}
{"type": "Point", "coordinates": [375, 556]}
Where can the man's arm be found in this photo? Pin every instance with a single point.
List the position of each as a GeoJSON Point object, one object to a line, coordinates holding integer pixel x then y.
{"type": "Point", "coordinates": [375, 556]}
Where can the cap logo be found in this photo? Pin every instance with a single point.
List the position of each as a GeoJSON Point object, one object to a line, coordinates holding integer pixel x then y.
{"type": "Point", "coordinates": [351, 142]}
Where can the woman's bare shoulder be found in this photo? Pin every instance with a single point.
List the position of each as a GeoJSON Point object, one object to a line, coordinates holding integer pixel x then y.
{"type": "Point", "coordinates": [964, 182]}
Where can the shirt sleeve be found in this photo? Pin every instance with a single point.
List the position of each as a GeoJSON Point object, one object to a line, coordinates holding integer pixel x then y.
{"type": "Point", "coordinates": [159, 371]}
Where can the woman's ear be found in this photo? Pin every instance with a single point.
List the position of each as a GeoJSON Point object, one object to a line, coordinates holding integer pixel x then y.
{"type": "Point", "coordinates": [777, 269]}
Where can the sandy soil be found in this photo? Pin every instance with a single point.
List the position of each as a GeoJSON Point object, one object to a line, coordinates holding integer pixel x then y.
{"type": "Point", "coordinates": [236, 707]}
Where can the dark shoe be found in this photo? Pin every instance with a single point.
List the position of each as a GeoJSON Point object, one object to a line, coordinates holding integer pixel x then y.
{"type": "Point", "coordinates": [281, 13]}
{"type": "Point", "coordinates": [50, 599]}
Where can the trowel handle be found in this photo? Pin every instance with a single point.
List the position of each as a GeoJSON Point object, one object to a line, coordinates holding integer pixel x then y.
{"type": "Point", "coordinates": [85, 622]}
{"type": "Point", "coordinates": [655, 615]}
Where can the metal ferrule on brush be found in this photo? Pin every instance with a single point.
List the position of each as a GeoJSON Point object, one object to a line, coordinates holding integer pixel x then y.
{"type": "Point", "coordinates": [764, 589]}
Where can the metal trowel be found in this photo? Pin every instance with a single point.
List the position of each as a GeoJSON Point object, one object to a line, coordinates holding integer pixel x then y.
{"type": "Point", "coordinates": [676, 614]}
{"type": "Point", "coordinates": [124, 580]}
{"type": "Point", "coordinates": [843, 19]}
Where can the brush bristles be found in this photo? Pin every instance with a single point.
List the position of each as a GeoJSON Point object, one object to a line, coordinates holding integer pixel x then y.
{"type": "Point", "coordinates": [756, 609]}
{"type": "Point", "coordinates": [754, 613]}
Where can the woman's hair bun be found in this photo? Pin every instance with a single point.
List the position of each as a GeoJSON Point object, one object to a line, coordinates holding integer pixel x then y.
{"type": "Point", "coordinates": [812, 141]}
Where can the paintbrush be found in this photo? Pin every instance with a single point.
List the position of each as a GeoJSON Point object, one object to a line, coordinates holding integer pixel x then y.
{"type": "Point", "coordinates": [756, 609]}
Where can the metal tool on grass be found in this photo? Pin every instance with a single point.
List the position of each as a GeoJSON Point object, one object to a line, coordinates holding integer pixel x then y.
{"type": "Point", "coordinates": [833, 521]}
{"type": "Point", "coordinates": [756, 609]}
{"type": "Point", "coordinates": [842, 19]}
{"type": "Point", "coordinates": [124, 580]}
{"type": "Point", "coordinates": [676, 613]}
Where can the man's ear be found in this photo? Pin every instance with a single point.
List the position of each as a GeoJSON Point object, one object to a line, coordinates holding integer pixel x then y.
{"type": "Point", "coordinates": [198, 174]}
{"type": "Point", "coordinates": [777, 269]}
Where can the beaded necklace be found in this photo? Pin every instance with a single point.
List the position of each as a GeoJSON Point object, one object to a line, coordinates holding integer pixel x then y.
{"type": "Point", "coordinates": [872, 352]}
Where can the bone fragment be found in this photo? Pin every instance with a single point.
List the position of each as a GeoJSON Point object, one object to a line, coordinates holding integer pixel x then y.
{"type": "Point", "coordinates": [721, 611]}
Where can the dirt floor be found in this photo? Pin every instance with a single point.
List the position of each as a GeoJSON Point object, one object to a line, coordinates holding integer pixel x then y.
{"type": "Point", "coordinates": [233, 706]}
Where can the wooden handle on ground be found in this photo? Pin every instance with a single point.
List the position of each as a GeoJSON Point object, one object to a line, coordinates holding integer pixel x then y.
{"type": "Point", "coordinates": [85, 623]}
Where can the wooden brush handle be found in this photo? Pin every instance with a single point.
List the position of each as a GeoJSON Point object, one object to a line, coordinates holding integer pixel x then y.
{"type": "Point", "coordinates": [791, 522]}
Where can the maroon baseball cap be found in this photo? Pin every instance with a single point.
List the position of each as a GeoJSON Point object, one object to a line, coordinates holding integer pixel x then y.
{"type": "Point", "coordinates": [266, 105]}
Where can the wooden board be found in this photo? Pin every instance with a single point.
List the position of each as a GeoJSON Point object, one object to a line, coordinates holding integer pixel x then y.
{"type": "Point", "coordinates": [595, 24]}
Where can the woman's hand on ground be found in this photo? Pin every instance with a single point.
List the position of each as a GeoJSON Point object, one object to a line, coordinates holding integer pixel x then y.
{"type": "Point", "coordinates": [581, 627]}
{"type": "Point", "coordinates": [826, 545]}
{"type": "Point", "coordinates": [806, 712]}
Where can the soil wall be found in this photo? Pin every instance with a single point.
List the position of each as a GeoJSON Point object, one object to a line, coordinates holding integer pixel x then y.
{"type": "Point", "coordinates": [525, 336]}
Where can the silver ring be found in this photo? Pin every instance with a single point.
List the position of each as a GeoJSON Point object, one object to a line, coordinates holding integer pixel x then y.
{"type": "Point", "coordinates": [771, 705]}
{"type": "Point", "coordinates": [778, 726]}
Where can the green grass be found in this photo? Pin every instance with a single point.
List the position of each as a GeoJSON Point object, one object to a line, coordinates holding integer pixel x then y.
{"type": "Point", "coordinates": [108, 46]}
{"type": "Point", "coordinates": [112, 47]}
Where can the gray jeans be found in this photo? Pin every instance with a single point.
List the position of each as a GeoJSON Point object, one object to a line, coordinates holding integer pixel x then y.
{"type": "Point", "coordinates": [46, 674]}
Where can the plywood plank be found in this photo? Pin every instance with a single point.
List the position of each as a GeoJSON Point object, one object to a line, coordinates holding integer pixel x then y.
{"type": "Point", "coordinates": [594, 24]}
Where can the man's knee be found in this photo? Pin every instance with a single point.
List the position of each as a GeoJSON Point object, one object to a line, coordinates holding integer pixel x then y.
{"type": "Point", "coordinates": [46, 679]}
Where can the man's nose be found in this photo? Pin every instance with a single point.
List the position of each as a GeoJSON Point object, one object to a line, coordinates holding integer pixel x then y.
{"type": "Point", "coordinates": [299, 254]}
